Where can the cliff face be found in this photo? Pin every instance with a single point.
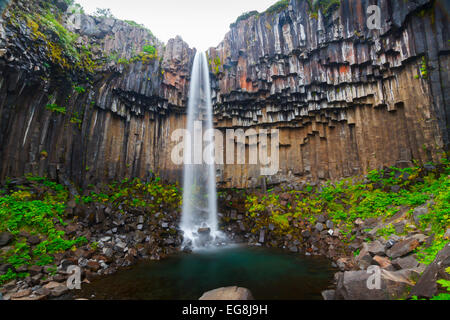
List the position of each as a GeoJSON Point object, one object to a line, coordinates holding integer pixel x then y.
{"type": "Point", "coordinates": [346, 99]}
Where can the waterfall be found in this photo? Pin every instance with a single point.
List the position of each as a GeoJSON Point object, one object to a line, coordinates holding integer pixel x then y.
{"type": "Point", "coordinates": [199, 216]}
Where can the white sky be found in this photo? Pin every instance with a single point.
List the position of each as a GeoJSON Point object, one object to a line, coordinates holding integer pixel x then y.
{"type": "Point", "coordinates": [201, 23]}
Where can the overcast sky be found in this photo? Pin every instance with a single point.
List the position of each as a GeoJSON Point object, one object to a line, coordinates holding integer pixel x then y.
{"type": "Point", "coordinates": [201, 23]}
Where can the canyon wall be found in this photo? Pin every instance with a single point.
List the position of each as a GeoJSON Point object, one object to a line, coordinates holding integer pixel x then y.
{"type": "Point", "coordinates": [346, 99]}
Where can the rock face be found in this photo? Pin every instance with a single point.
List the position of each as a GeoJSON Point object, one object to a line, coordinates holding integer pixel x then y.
{"type": "Point", "coordinates": [345, 98]}
{"type": "Point", "coordinates": [228, 293]}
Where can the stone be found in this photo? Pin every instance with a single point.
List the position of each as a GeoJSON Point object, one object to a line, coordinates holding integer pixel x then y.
{"type": "Point", "coordinates": [328, 294]}
{"type": "Point", "coordinates": [353, 285]}
{"type": "Point", "coordinates": [306, 234]}
{"type": "Point", "coordinates": [402, 248]}
{"type": "Point", "coordinates": [93, 265]}
{"type": "Point", "coordinates": [228, 293]}
{"type": "Point", "coordinates": [383, 262]}
{"type": "Point", "coordinates": [426, 287]}
{"type": "Point", "coordinates": [408, 262]}
{"type": "Point", "coordinates": [329, 224]}
{"type": "Point", "coordinates": [5, 238]}
{"type": "Point", "coordinates": [319, 227]}
{"type": "Point", "coordinates": [34, 270]}
{"type": "Point", "coordinates": [261, 236]}
{"type": "Point", "coordinates": [364, 259]}
{"type": "Point", "coordinates": [293, 249]}
{"type": "Point", "coordinates": [21, 294]}
{"type": "Point", "coordinates": [447, 234]}
{"type": "Point", "coordinates": [376, 248]}
{"type": "Point", "coordinates": [419, 212]}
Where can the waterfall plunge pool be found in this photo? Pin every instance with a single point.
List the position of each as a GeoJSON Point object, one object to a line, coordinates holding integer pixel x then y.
{"type": "Point", "coordinates": [270, 274]}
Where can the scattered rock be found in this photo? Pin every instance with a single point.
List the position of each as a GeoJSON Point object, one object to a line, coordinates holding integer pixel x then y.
{"type": "Point", "coordinates": [228, 293]}
{"type": "Point", "coordinates": [376, 248]}
{"type": "Point", "coordinates": [383, 262]}
{"type": "Point", "coordinates": [20, 294]}
{"type": "Point", "coordinates": [408, 262]}
{"type": "Point", "coordinates": [402, 248]}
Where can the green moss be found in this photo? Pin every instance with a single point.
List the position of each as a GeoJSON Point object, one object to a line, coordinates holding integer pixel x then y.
{"type": "Point", "coordinates": [53, 107]}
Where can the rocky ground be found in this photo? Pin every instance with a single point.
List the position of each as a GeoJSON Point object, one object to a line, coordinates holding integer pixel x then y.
{"type": "Point", "coordinates": [125, 223]}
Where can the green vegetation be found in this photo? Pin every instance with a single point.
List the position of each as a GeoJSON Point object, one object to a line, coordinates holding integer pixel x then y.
{"type": "Point", "coordinates": [351, 199]}
{"type": "Point", "coordinates": [149, 49]}
{"type": "Point", "coordinates": [53, 107]}
{"type": "Point", "coordinates": [423, 68]}
{"type": "Point", "coordinates": [244, 16]}
{"type": "Point", "coordinates": [277, 7]}
{"type": "Point", "coordinates": [76, 119]}
{"type": "Point", "coordinates": [137, 25]}
{"type": "Point", "coordinates": [59, 43]}
{"type": "Point", "coordinates": [79, 89]}
{"type": "Point", "coordinates": [128, 194]}
{"type": "Point", "coordinates": [25, 212]}
{"type": "Point", "coordinates": [325, 6]}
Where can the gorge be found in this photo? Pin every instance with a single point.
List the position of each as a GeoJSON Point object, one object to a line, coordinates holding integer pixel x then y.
{"type": "Point", "coordinates": [88, 110]}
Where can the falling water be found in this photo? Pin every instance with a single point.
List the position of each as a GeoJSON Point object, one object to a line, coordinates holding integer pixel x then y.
{"type": "Point", "coordinates": [199, 217]}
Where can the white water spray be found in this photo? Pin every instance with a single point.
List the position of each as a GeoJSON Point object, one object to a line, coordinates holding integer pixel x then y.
{"type": "Point", "coordinates": [199, 217]}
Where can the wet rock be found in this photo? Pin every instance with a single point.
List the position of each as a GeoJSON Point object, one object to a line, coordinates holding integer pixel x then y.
{"type": "Point", "coordinates": [261, 236]}
{"type": "Point", "coordinates": [228, 293]}
{"type": "Point", "coordinates": [402, 248]}
{"type": "Point", "coordinates": [293, 249]}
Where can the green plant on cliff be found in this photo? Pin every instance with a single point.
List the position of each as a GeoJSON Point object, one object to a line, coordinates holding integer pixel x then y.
{"type": "Point", "coordinates": [277, 7]}
{"type": "Point", "coordinates": [423, 68]}
{"type": "Point", "coordinates": [24, 212]}
{"type": "Point", "coordinates": [244, 16]}
{"type": "Point", "coordinates": [53, 107]}
{"type": "Point", "coordinates": [325, 6]}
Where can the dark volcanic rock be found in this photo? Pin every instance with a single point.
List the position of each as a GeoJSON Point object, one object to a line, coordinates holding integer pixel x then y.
{"type": "Point", "coordinates": [426, 287]}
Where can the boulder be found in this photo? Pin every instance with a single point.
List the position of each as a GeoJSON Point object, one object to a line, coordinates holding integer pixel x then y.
{"type": "Point", "coordinates": [419, 212]}
{"type": "Point", "coordinates": [402, 248]}
{"type": "Point", "coordinates": [426, 287]}
{"type": "Point", "coordinates": [5, 238]}
{"type": "Point", "coordinates": [228, 293]}
{"type": "Point", "coordinates": [328, 294]}
{"type": "Point", "coordinates": [408, 262]}
{"type": "Point", "coordinates": [376, 248]}
{"type": "Point", "coordinates": [383, 262]}
{"type": "Point", "coordinates": [354, 285]}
